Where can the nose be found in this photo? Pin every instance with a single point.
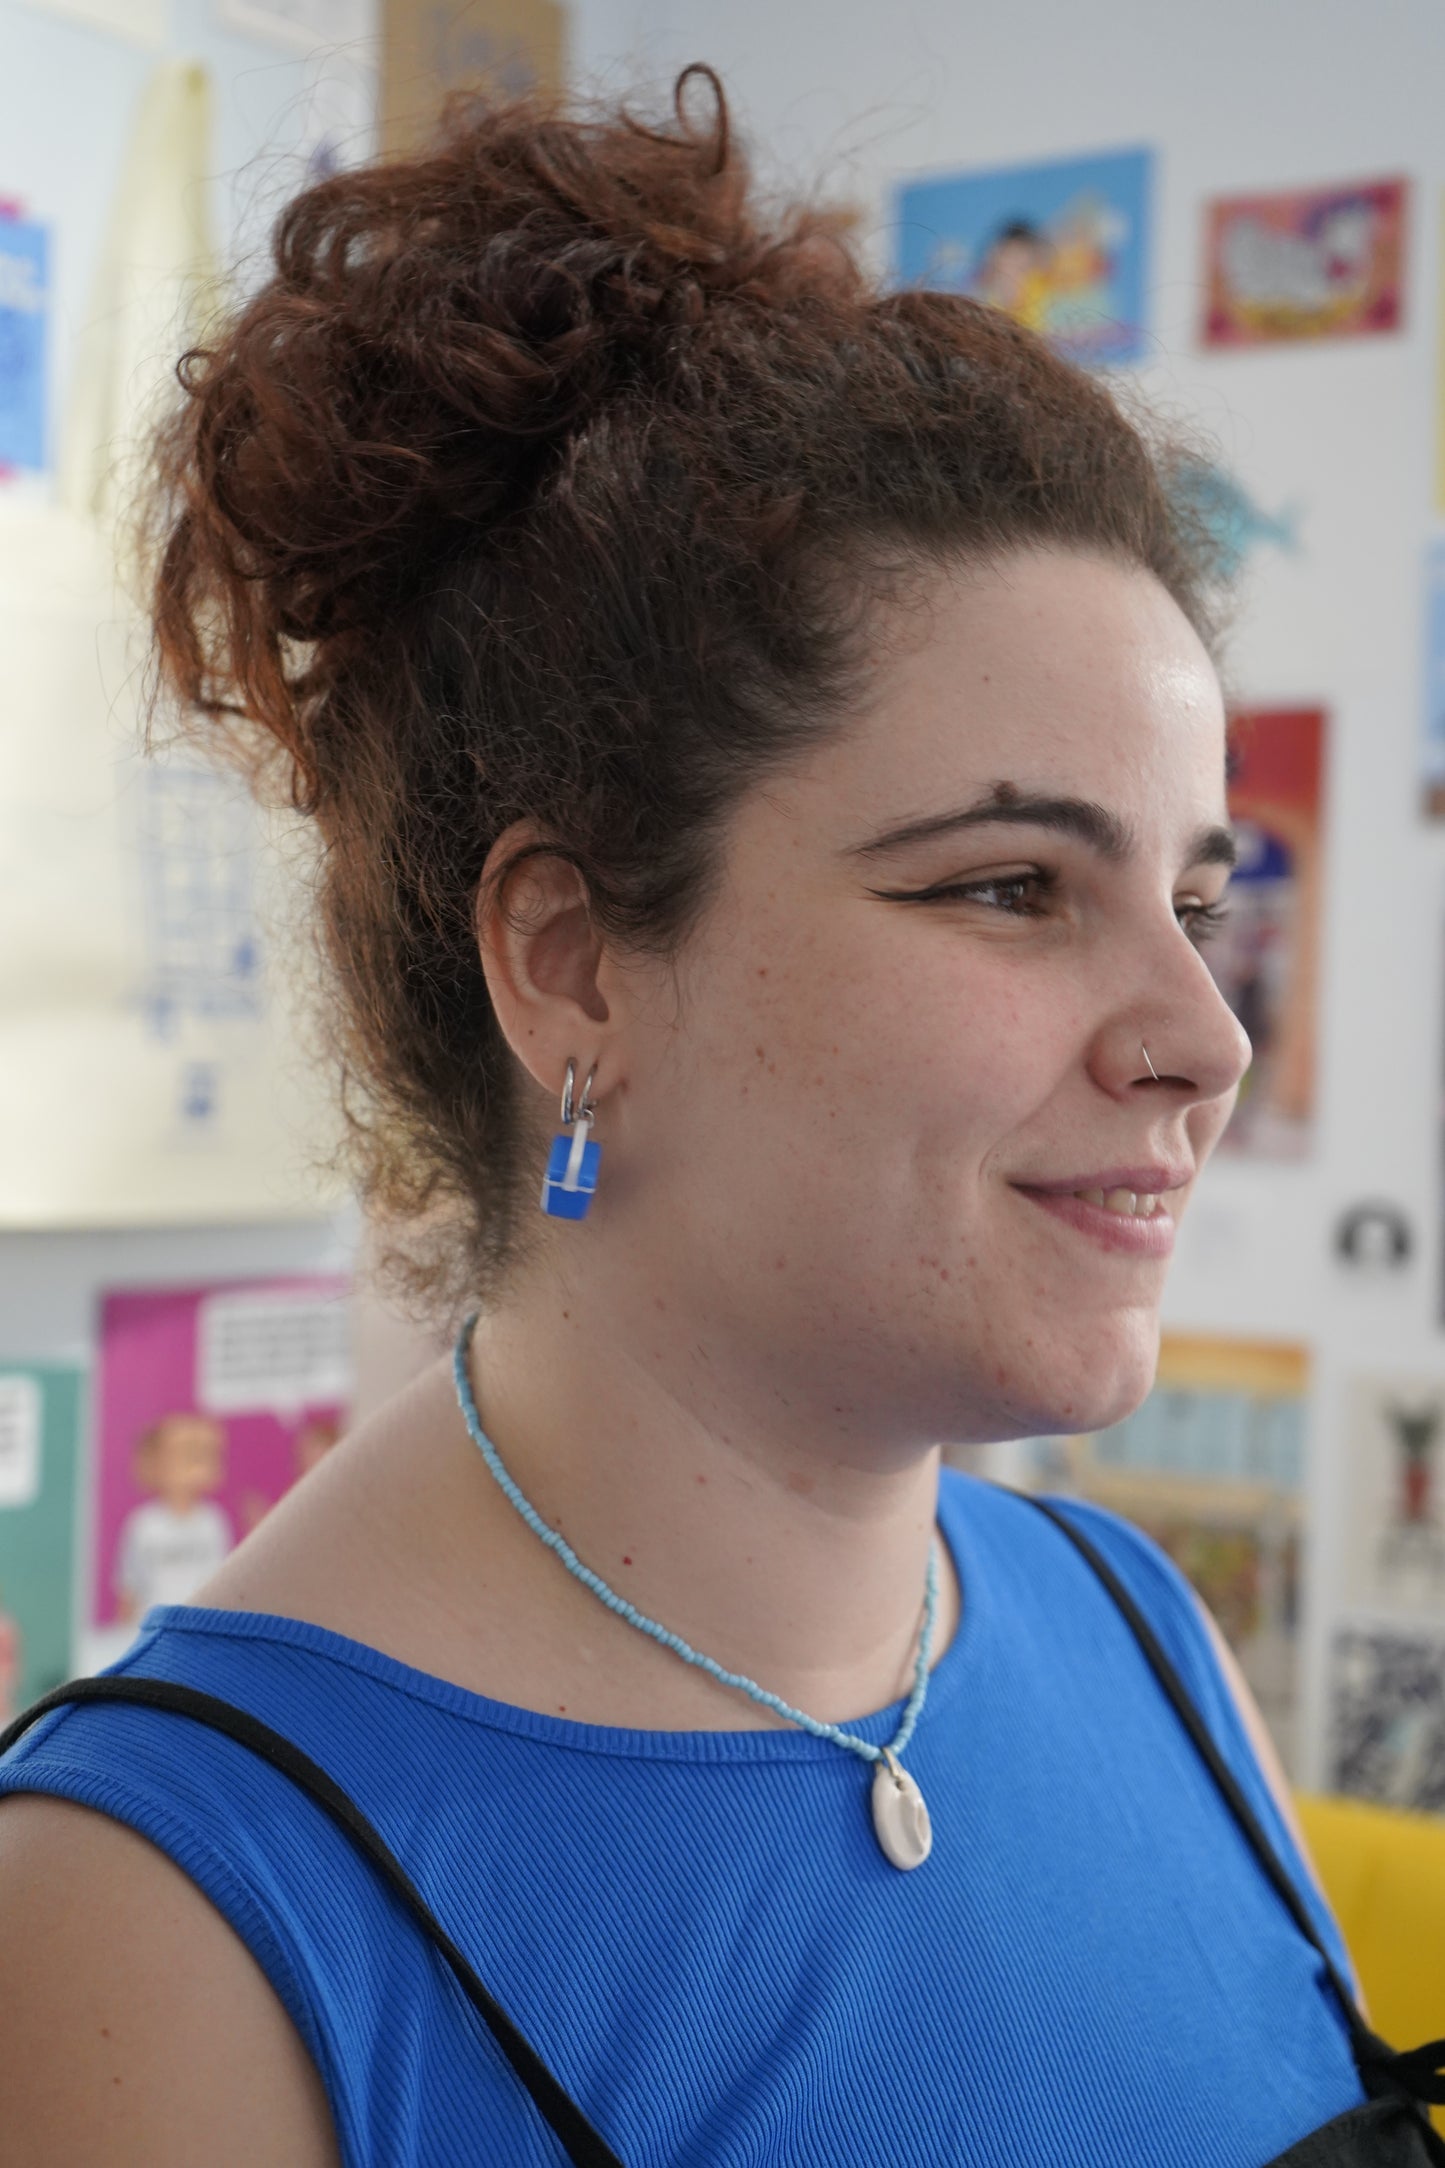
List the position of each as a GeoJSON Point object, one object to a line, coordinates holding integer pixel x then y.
{"type": "Point", "coordinates": [1179, 1035]}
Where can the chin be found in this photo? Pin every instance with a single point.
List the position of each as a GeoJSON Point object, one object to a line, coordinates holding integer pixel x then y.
{"type": "Point", "coordinates": [1099, 1385]}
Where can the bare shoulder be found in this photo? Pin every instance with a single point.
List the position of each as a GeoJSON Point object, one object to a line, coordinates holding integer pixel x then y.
{"type": "Point", "coordinates": [1265, 1750]}
{"type": "Point", "coordinates": [139, 2031]}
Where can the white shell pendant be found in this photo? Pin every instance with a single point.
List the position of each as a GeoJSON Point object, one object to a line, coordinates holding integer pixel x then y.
{"type": "Point", "coordinates": [900, 1817]}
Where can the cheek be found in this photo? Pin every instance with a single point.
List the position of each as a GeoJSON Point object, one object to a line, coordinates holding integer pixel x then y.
{"type": "Point", "coordinates": [865, 1062]}
{"type": "Point", "coordinates": [967, 1040]}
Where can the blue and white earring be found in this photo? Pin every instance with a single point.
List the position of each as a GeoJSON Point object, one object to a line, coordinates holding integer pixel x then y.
{"type": "Point", "coordinates": [571, 1177]}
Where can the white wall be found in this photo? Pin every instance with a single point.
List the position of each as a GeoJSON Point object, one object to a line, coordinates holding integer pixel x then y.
{"type": "Point", "coordinates": [1233, 95]}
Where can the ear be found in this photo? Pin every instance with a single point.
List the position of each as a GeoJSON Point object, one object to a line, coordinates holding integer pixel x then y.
{"type": "Point", "coordinates": [552, 982]}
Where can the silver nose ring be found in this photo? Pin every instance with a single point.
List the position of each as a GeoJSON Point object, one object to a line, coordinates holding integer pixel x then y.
{"type": "Point", "coordinates": [1152, 1070]}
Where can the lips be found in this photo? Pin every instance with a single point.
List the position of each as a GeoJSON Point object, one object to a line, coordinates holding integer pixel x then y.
{"type": "Point", "coordinates": [1120, 1209]}
{"type": "Point", "coordinates": [1147, 1178]}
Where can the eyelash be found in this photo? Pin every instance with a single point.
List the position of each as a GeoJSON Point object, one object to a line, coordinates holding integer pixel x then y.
{"type": "Point", "coordinates": [1201, 920]}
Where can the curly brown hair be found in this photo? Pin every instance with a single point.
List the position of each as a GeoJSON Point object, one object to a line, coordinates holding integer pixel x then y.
{"type": "Point", "coordinates": [546, 477]}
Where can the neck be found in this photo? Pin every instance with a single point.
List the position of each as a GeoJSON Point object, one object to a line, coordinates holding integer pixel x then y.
{"type": "Point", "coordinates": [714, 1503]}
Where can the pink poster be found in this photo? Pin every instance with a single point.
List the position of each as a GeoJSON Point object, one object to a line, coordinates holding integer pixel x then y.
{"type": "Point", "coordinates": [1312, 263]}
{"type": "Point", "coordinates": [211, 1401]}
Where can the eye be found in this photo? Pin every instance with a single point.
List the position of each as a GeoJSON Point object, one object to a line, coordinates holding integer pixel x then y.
{"type": "Point", "coordinates": [1017, 895]}
{"type": "Point", "coordinates": [1201, 921]}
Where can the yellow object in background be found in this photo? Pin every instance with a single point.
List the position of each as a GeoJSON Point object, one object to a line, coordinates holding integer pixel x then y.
{"type": "Point", "coordinates": [1384, 1874]}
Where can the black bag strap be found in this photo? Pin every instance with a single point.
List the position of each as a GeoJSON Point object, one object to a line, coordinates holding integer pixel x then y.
{"type": "Point", "coordinates": [584, 2147]}
{"type": "Point", "coordinates": [1419, 2072]}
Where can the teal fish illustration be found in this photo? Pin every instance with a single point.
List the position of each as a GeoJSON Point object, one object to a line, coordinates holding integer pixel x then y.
{"type": "Point", "coordinates": [1234, 524]}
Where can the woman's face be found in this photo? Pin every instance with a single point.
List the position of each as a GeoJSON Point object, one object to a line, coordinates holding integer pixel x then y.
{"type": "Point", "coordinates": [912, 1025]}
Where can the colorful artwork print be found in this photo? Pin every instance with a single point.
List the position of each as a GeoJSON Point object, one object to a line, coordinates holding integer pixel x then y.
{"type": "Point", "coordinates": [1394, 1534]}
{"type": "Point", "coordinates": [211, 1402]}
{"type": "Point", "coordinates": [1317, 263]}
{"type": "Point", "coordinates": [1212, 1467]}
{"type": "Point", "coordinates": [1063, 247]}
{"type": "Point", "coordinates": [41, 1411]}
{"type": "Point", "coordinates": [1387, 1717]}
{"type": "Point", "coordinates": [1265, 956]}
{"type": "Point", "coordinates": [24, 315]}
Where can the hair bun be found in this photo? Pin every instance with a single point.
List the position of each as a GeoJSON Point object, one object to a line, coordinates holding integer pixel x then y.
{"type": "Point", "coordinates": [436, 328]}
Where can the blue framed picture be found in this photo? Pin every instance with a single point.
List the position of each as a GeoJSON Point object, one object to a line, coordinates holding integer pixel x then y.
{"type": "Point", "coordinates": [24, 310]}
{"type": "Point", "coordinates": [1062, 246]}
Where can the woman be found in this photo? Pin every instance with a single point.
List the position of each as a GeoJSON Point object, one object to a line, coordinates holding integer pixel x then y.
{"type": "Point", "coordinates": [777, 719]}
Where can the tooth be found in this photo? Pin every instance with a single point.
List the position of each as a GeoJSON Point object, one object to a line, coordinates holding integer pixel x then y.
{"type": "Point", "coordinates": [1090, 1196]}
{"type": "Point", "coordinates": [1121, 1200]}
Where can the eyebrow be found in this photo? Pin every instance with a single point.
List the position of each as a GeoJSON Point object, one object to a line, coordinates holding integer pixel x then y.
{"type": "Point", "coordinates": [1090, 822]}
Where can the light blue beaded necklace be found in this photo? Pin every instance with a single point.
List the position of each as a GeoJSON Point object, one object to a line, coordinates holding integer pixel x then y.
{"type": "Point", "coordinates": [900, 1817]}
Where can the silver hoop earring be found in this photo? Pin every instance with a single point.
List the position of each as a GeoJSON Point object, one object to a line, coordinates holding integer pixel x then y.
{"type": "Point", "coordinates": [587, 1110]}
{"type": "Point", "coordinates": [1152, 1070]}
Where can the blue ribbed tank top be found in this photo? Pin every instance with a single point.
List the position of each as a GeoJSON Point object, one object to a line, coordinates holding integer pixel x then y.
{"type": "Point", "coordinates": [697, 1930]}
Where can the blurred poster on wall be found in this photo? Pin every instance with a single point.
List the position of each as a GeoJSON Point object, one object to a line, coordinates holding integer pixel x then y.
{"type": "Point", "coordinates": [211, 1401]}
{"type": "Point", "coordinates": [1062, 246]}
{"type": "Point", "coordinates": [1311, 263]}
{"type": "Point", "coordinates": [430, 48]}
{"type": "Point", "coordinates": [41, 1408]}
{"type": "Point", "coordinates": [1212, 1467]}
{"type": "Point", "coordinates": [1265, 956]}
{"type": "Point", "coordinates": [24, 319]}
{"type": "Point", "coordinates": [1394, 1531]}
{"type": "Point", "coordinates": [1386, 1737]}
{"type": "Point", "coordinates": [153, 971]}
